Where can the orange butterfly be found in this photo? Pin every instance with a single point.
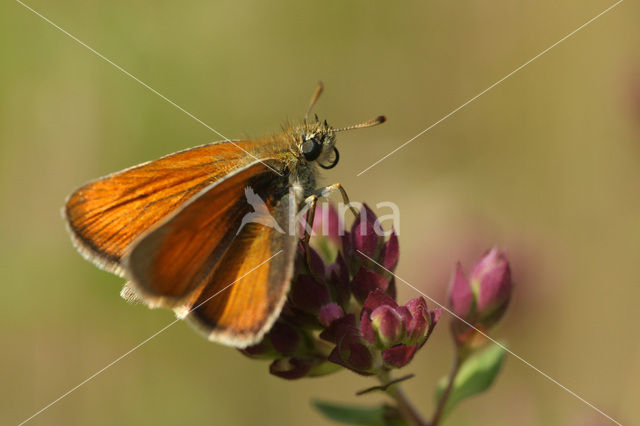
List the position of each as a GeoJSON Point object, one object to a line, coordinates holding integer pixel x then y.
{"type": "Point", "coordinates": [176, 227]}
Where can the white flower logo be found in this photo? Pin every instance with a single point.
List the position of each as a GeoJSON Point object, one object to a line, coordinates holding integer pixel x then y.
{"type": "Point", "coordinates": [260, 214]}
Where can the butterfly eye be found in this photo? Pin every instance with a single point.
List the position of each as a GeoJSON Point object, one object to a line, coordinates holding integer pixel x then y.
{"type": "Point", "coordinates": [311, 149]}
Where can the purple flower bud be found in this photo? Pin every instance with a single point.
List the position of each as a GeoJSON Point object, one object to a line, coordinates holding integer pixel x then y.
{"type": "Point", "coordinates": [261, 350]}
{"type": "Point", "coordinates": [365, 282]}
{"type": "Point", "coordinates": [352, 353]}
{"type": "Point", "coordinates": [327, 224]}
{"type": "Point", "coordinates": [284, 338]}
{"type": "Point", "coordinates": [420, 323]}
{"type": "Point", "coordinates": [317, 264]}
{"type": "Point", "coordinates": [291, 368]}
{"type": "Point", "coordinates": [404, 313]}
{"type": "Point", "coordinates": [338, 328]}
{"type": "Point", "coordinates": [385, 324]}
{"type": "Point", "coordinates": [482, 300]}
{"type": "Point", "coordinates": [364, 238]}
{"type": "Point", "coordinates": [390, 252]}
{"type": "Point", "coordinates": [308, 294]}
{"type": "Point", "coordinates": [460, 295]}
{"type": "Point", "coordinates": [398, 356]}
{"type": "Point", "coordinates": [329, 313]}
{"type": "Point", "coordinates": [491, 283]}
{"type": "Point", "coordinates": [339, 281]}
{"type": "Point", "coordinates": [366, 329]}
{"type": "Point", "coordinates": [376, 299]}
{"type": "Point", "coordinates": [388, 324]}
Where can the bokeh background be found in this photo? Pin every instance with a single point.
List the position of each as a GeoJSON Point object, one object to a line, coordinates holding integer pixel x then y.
{"type": "Point", "coordinates": [545, 166]}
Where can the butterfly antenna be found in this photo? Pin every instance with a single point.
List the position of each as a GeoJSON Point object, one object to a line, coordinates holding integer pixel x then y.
{"type": "Point", "coordinates": [314, 99]}
{"type": "Point", "coordinates": [370, 123]}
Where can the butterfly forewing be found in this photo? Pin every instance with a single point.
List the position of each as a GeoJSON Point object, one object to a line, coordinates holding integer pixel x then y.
{"type": "Point", "coordinates": [106, 215]}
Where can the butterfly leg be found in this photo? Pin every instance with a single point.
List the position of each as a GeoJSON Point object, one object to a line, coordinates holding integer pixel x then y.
{"type": "Point", "coordinates": [324, 192]}
{"type": "Point", "coordinates": [311, 203]}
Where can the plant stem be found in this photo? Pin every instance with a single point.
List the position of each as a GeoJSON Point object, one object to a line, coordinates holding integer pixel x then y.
{"type": "Point", "coordinates": [406, 409]}
{"type": "Point", "coordinates": [437, 416]}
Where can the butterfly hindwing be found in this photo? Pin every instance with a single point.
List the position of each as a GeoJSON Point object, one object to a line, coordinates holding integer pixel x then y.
{"type": "Point", "coordinates": [169, 262]}
{"type": "Point", "coordinates": [244, 294]}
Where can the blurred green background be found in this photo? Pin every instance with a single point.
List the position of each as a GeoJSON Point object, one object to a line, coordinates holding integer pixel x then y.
{"type": "Point", "coordinates": [546, 166]}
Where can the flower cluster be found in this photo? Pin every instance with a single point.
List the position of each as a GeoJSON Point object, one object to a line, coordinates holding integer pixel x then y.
{"type": "Point", "coordinates": [342, 309]}
{"type": "Point", "coordinates": [397, 332]}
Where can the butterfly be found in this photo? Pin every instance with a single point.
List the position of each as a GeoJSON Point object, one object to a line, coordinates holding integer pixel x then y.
{"type": "Point", "coordinates": [188, 230]}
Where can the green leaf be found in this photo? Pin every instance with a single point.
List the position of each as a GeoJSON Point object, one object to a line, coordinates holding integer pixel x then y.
{"type": "Point", "coordinates": [358, 415]}
{"type": "Point", "coordinates": [475, 376]}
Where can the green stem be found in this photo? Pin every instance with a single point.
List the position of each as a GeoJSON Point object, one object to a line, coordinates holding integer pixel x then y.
{"type": "Point", "coordinates": [437, 416]}
{"type": "Point", "coordinates": [406, 409]}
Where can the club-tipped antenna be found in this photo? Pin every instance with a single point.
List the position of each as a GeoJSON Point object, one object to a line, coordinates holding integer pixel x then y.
{"type": "Point", "coordinates": [314, 99]}
{"type": "Point", "coordinates": [370, 123]}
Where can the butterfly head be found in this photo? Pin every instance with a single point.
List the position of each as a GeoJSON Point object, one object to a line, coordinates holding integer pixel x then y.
{"type": "Point", "coordinates": [317, 143]}
{"type": "Point", "coordinates": [316, 140]}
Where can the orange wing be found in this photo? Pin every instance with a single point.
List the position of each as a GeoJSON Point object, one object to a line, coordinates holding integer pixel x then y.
{"type": "Point", "coordinates": [239, 301]}
{"type": "Point", "coordinates": [168, 262]}
{"type": "Point", "coordinates": [106, 215]}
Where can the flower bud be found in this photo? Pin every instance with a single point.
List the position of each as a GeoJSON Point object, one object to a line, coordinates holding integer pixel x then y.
{"type": "Point", "coordinates": [388, 324]}
{"type": "Point", "coordinates": [284, 338]}
{"type": "Point", "coordinates": [419, 326]}
{"type": "Point", "coordinates": [398, 330]}
{"type": "Point", "coordinates": [399, 356]}
{"type": "Point", "coordinates": [364, 237]}
{"type": "Point", "coordinates": [338, 281]}
{"type": "Point", "coordinates": [491, 285]}
{"type": "Point", "coordinates": [338, 328]}
{"type": "Point", "coordinates": [352, 353]}
{"type": "Point", "coordinates": [366, 282]}
{"type": "Point", "coordinates": [315, 261]}
{"type": "Point", "coordinates": [291, 368]}
{"type": "Point", "coordinates": [327, 231]}
{"type": "Point", "coordinates": [329, 313]}
{"type": "Point", "coordinates": [460, 294]}
{"type": "Point", "coordinates": [481, 300]}
{"type": "Point", "coordinates": [351, 350]}
{"type": "Point", "coordinates": [261, 350]}
{"type": "Point", "coordinates": [308, 294]}
{"type": "Point", "coordinates": [390, 252]}
{"type": "Point", "coordinates": [376, 301]}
